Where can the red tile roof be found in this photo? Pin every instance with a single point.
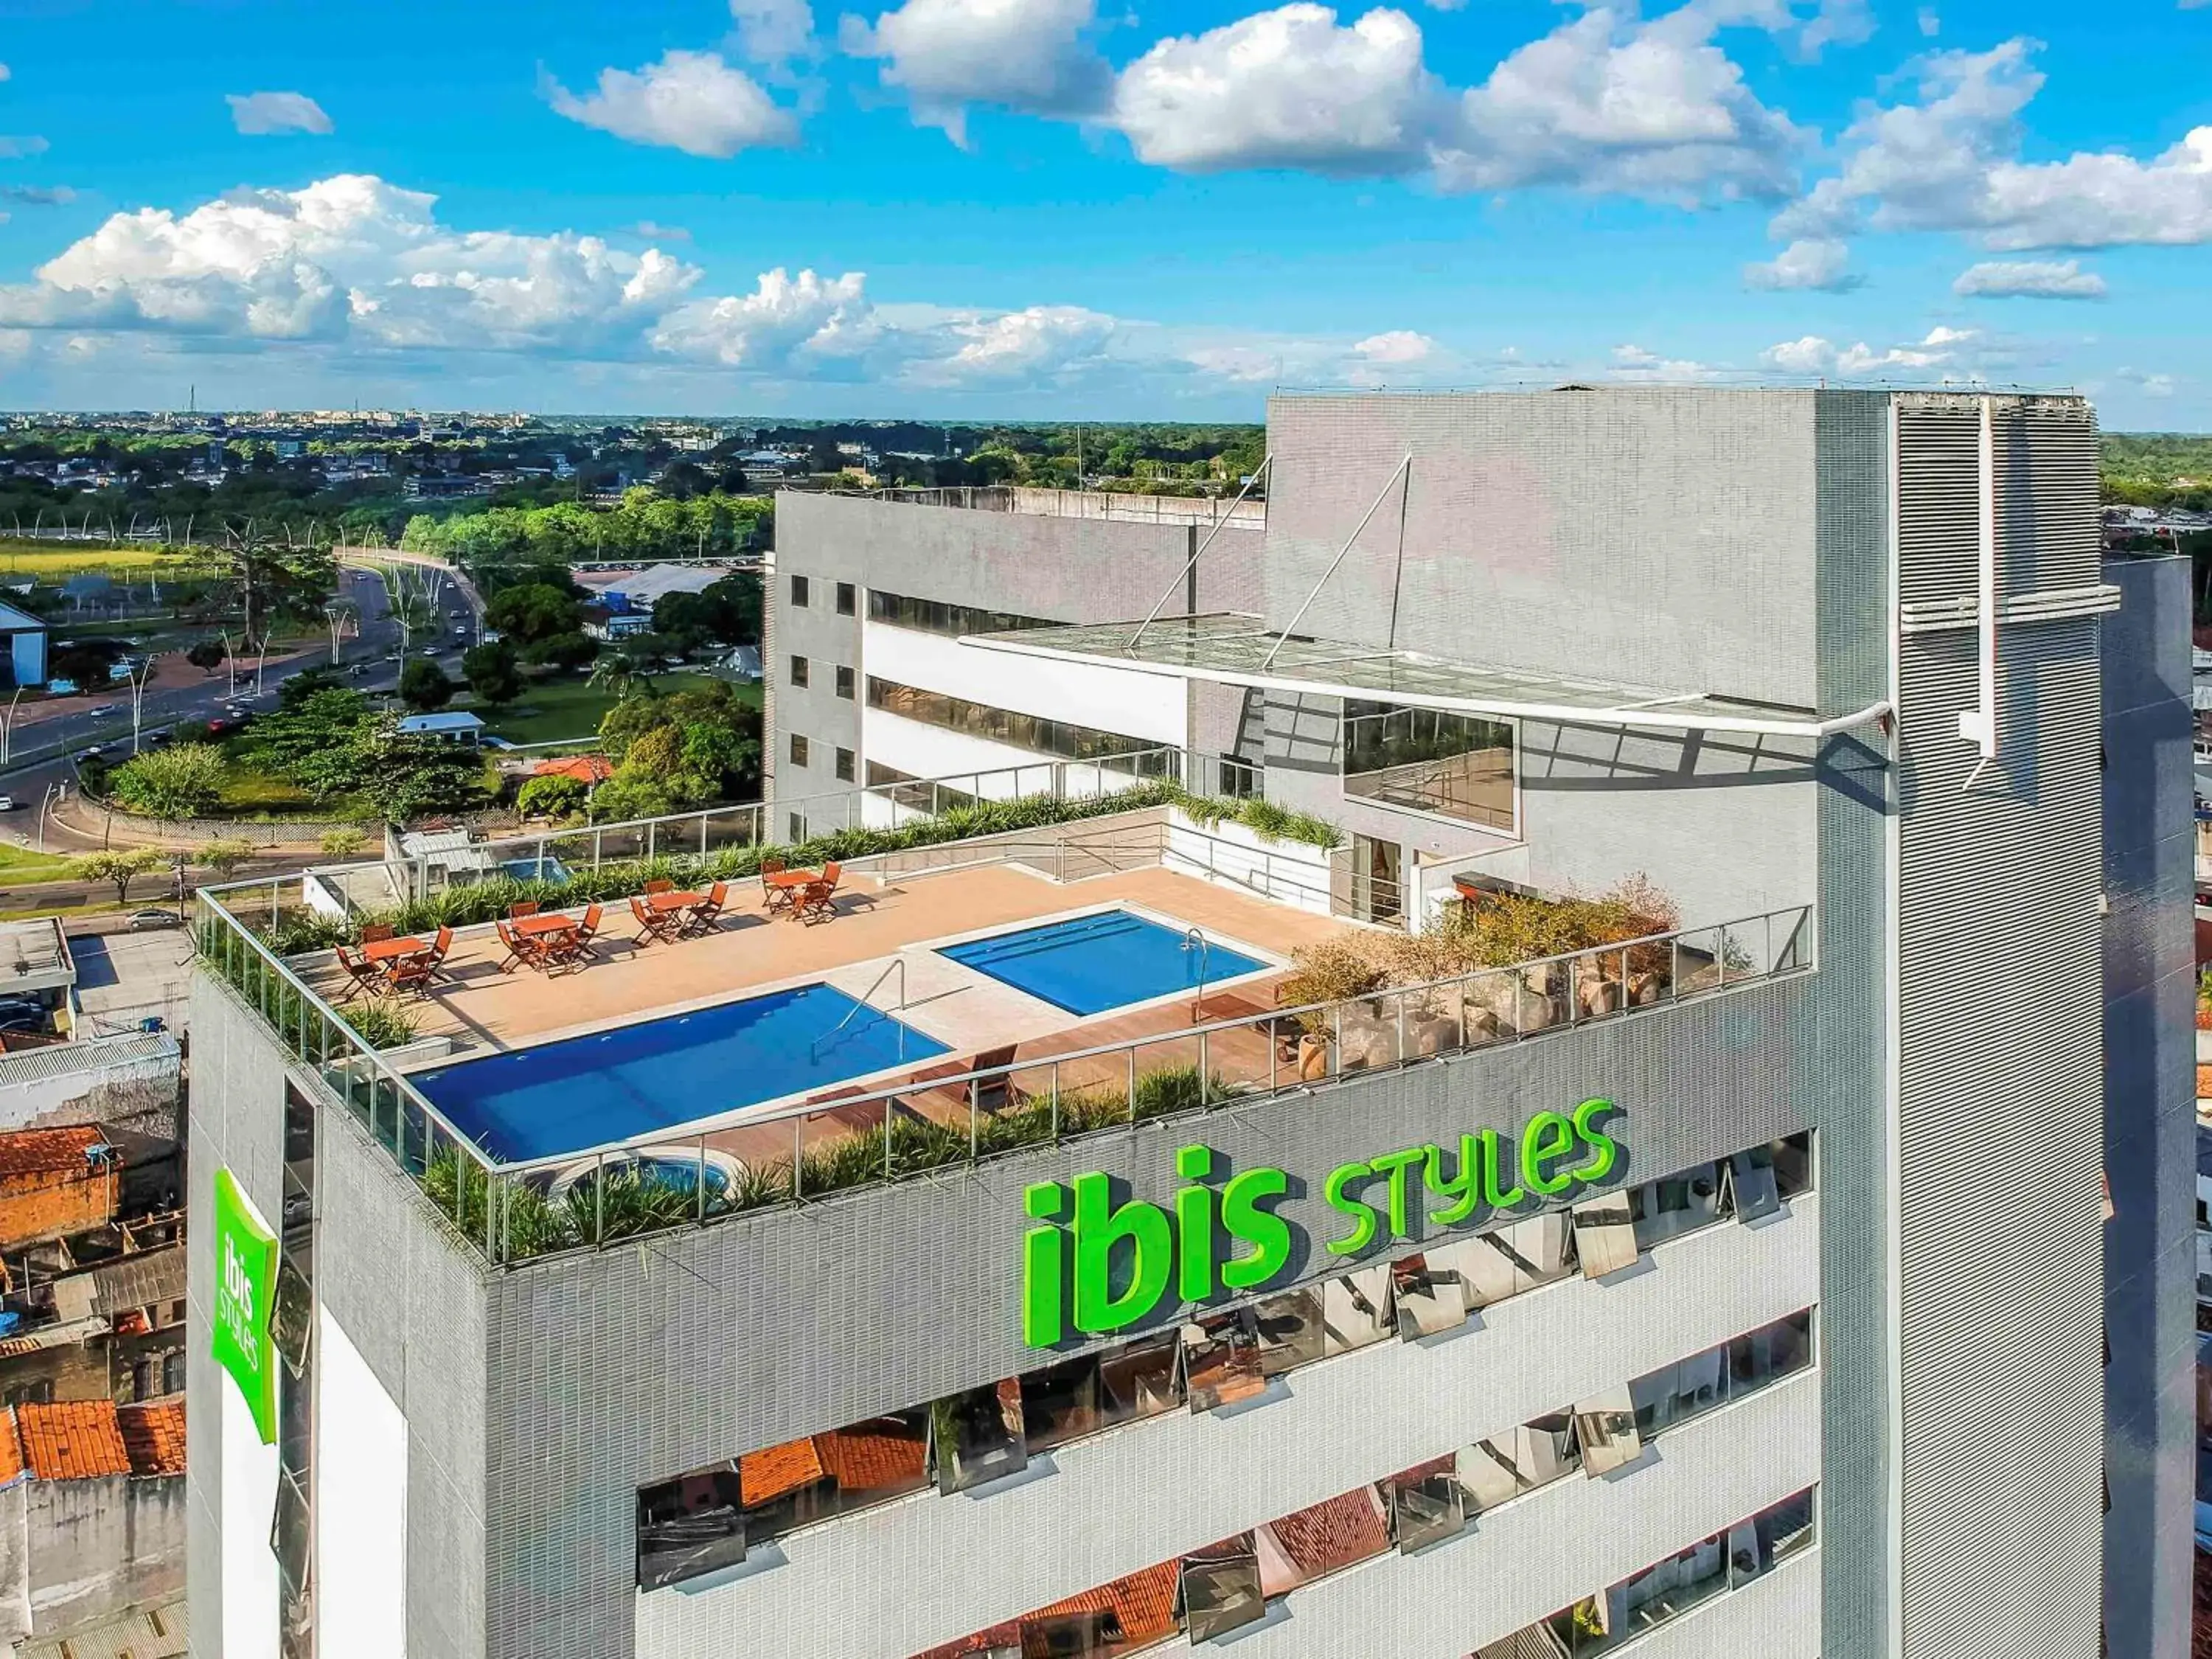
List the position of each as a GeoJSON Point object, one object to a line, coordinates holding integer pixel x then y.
{"type": "Point", "coordinates": [38, 1152]}
{"type": "Point", "coordinates": [1334, 1533]}
{"type": "Point", "coordinates": [11, 1449]}
{"type": "Point", "coordinates": [80, 1440]}
{"type": "Point", "coordinates": [870, 1455]}
{"type": "Point", "coordinates": [765, 1476]}
{"type": "Point", "coordinates": [585, 768]}
{"type": "Point", "coordinates": [154, 1436]}
{"type": "Point", "coordinates": [1142, 1605]}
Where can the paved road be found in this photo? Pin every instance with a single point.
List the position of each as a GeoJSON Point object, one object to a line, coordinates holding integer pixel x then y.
{"type": "Point", "coordinates": [29, 781]}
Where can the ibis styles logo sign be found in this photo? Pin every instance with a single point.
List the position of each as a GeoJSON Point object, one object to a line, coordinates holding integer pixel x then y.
{"type": "Point", "coordinates": [245, 1281]}
{"type": "Point", "coordinates": [1095, 1265]}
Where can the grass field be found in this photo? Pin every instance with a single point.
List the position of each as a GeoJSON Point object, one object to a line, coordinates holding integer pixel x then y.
{"type": "Point", "coordinates": [57, 559]}
{"type": "Point", "coordinates": [557, 709]}
{"type": "Point", "coordinates": [21, 864]}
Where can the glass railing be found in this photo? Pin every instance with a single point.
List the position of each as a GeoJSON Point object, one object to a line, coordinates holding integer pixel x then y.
{"type": "Point", "coordinates": [806, 1151]}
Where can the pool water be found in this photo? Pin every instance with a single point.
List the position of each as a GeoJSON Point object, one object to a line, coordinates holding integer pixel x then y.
{"type": "Point", "coordinates": [615, 1086]}
{"type": "Point", "coordinates": [1087, 965]}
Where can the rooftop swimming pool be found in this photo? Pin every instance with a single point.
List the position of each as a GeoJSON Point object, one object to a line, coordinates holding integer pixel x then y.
{"type": "Point", "coordinates": [613, 1086]}
{"type": "Point", "coordinates": [1109, 959]}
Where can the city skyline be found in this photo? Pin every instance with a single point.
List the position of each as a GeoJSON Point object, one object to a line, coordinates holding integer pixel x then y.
{"type": "Point", "coordinates": [1030, 209]}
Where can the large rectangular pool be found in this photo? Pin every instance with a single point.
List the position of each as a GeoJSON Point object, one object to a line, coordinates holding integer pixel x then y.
{"type": "Point", "coordinates": [1109, 959]}
{"type": "Point", "coordinates": [587, 1091]}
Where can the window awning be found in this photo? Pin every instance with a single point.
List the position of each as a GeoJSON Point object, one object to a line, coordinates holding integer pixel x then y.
{"type": "Point", "coordinates": [1234, 648]}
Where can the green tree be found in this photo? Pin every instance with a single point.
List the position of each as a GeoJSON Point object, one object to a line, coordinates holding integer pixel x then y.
{"type": "Point", "coordinates": [553, 797]}
{"type": "Point", "coordinates": [423, 685]}
{"type": "Point", "coordinates": [185, 782]}
{"type": "Point", "coordinates": [206, 655]}
{"type": "Point", "coordinates": [622, 673]}
{"type": "Point", "coordinates": [342, 843]}
{"type": "Point", "coordinates": [222, 856]}
{"type": "Point", "coordinates": [726, 612]}
{"type": "Point", "coordinates": [121, 867]}
{"type": "Point", "coordinates": [569, 651]}
{"type": "Point", "coordinates": [534, 612]}
{"type": "Point", "coordinates": [494, 672]}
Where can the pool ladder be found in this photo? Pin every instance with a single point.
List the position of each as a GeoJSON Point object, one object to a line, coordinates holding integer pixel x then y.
{"type": "Point", "coordinates": [1191, 937]}
{"type": "Point", "coordinates": [862, 1003]}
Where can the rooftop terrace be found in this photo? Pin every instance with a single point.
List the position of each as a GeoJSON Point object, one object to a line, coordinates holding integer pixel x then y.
{"type": "Point", "coordinates": [963, 995]}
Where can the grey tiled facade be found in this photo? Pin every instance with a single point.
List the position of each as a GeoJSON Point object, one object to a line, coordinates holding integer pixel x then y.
{"type": "Point", "coordinates": [1748, 544]}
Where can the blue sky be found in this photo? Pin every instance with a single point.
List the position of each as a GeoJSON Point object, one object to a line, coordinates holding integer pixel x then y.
{"type": "Point", "coordinates": [1029, 208]}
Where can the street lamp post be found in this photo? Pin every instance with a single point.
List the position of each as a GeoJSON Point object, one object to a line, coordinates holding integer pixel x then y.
{"type": "Point", "coordinates": [229, 667]}
{"type": "Point", "coordinates": [8, 730]}
{"type": "Point", "coordinates": [45, 804]}
{"type": "Point", "coordinates": [139, 698]}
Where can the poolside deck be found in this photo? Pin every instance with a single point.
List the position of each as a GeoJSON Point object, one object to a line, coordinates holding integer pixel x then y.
{"type": "Point", "coordinates": [484, 1011]}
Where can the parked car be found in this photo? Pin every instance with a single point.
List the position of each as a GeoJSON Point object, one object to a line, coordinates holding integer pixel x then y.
{"type": "Point", "coordinates": [142, 921]}
{"type": "Point", "coordinates": [61, 688]}
{"type": "Point", "coordinates": [20, 1008]}
{"type": "Point", "coordinates": [7, 803]}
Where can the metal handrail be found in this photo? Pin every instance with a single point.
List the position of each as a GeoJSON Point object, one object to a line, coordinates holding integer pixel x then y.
{"type": "Point", "coordinates": [898, 964]}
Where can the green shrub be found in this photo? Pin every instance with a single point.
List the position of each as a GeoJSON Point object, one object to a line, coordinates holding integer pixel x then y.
{"type": "Point", "coordinates": [381, 1023]}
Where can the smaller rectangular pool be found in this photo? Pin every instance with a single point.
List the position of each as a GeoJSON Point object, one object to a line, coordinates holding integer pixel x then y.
{"type": "Point", "coordinates": [1087, 965]}
{"type": "Point", "coordinates": [611, 1085]}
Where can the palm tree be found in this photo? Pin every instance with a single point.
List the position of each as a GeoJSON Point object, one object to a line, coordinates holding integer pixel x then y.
{"type": "Point", "coordinates": [623, 674]}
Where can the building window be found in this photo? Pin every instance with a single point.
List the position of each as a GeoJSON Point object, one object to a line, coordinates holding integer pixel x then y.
{"type": "Point", "coordinates": [173, 1372]}
{"type": "Point", "coordinates": [845, 599]}
{"type": "Point", "coordinates": [1421, 760]}
{"type": "Point", "coordinates": [798, 750]}
{"type": "Point", "coordinates": [978, 720]}
{"type": "Point", "coordinates": [797, 825]}
{"type": "Point", "coordinates": [798, 591]}
{"type": "Point", "coordinates": [844, 765]}
{"type": "Point", "coordinates": [845, 684]}
{"type": "Point", "coordinates": [929, 616]}
{"type": "Point", "coordinates": [799, 671]}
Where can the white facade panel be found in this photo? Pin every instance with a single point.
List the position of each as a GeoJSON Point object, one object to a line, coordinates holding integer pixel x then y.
{"type": "Point", "coordinates": [360, 1507]}
{"type": "Point", "coordinates": [928, 1569]}
{"type": "Point", "coordinates": [249, 1501]}
{"type": "Point", "coordinates": [1154, 707]}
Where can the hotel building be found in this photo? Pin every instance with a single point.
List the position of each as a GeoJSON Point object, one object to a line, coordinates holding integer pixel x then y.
{"type": "Point", "coordinates": [1566, 1029]}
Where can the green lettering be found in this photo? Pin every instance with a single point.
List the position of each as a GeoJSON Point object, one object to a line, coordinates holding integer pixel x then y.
{"type": "Point", "coordinates": [1493, 1166]}
{"type": "Point", "coordinates": [1546, 1137]}
{"type": "Point", "coordinates": [1195, 1226]}
{"type": "Point", "coordinates": [1604, 1151]}
{"type": "Point", "coordinates": [1362, 1213]}
{"type": "Point", "coordinates": [1044, 1269]}
{"type": "Point", "coordinates": [1395, 1165]}
{"type": "Point", "coordinates": [1099, 1226]}
{"type": "Point", "coordinates": [1463, 1188]}
{"type": "Point", "coordinates": [1269, 1234]}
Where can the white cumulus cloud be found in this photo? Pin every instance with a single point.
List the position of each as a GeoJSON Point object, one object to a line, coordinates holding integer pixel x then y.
{"type": "Point", "coordinates": [1035, 56]}
{"type": "Point", "coordinates": [772, 31]}
{"type": "Point", "coordinates": [262, 113]}
{"type": "Point", "coordinates": [1948, 160]}
{"type": "Point", "coordinates": [1810, 262]}
{"type": "Point", "coordinates": [2047, 279]}
{"type": "Point", "coordinates": [1944, 353]}
{"type": "Point", "coordinates": [1291, 88]}
{"type": "Point", "coordinates": [350, 258]}
{"type": "Point", "coordinates": [1612, 102]}
{"type": "Point", "coordinates": [787, 323]}
{"type": "Point", "coordinates": [693, 101]}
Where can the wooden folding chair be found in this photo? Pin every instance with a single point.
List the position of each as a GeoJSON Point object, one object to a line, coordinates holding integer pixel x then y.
{"type": "Point", "coordinates": [360, 975]}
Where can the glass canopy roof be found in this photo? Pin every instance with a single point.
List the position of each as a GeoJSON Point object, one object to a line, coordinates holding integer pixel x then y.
{"type": "Point", "coordinates": [1235, 649]}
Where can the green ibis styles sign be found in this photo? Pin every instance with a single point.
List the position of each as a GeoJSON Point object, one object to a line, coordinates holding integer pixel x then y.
{"type": "Point", "coordinates": [1091, 1266]}
{"type": "Point", "coordinates": [244, 1284]}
